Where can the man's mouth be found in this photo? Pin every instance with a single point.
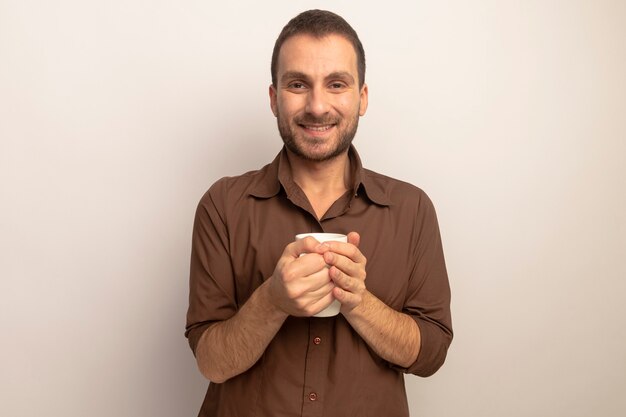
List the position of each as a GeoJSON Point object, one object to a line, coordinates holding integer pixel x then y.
{"type": "Point", "coordinates": [317, 128]}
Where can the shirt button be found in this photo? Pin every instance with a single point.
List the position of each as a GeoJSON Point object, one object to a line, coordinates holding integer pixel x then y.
{"type": "Point", "coordinates": [312, 396]}
{"type": "Point", "coordinates": [317, 340]}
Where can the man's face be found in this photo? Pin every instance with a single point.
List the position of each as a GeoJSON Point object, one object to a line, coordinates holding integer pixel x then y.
{"type": "Point", "coordinates": [317, 99]}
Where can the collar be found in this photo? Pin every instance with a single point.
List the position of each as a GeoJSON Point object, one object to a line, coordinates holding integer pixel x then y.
{"type": "Point", "coordinates": [277, 175]}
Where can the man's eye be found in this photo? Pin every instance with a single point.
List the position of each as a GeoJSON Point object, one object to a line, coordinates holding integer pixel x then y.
{"type": "Point", "coordinates": [296, 85]}
{"type": "Point", "coordinates": [336, 85]}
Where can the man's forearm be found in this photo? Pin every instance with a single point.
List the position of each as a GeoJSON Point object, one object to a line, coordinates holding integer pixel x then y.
{"type": "Point", "coordinates": [394, 336]}
{"type": "Point", "coordinates": [231, 347]}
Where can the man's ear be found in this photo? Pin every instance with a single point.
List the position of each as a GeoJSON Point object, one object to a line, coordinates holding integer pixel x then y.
{"type": "Point", "coordinates": [273, 100]}
{"type": "Point", "coordinates": [363, 105]}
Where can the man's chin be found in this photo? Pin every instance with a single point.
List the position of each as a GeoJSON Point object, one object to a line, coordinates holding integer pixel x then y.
{"type": "Point", "coordinates": [316, 153]}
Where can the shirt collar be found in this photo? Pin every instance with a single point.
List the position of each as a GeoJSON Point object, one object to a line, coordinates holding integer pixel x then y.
{"type": "Point", "coordinates": [278, 174]}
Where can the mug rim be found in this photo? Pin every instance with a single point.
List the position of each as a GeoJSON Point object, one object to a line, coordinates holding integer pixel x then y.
{"type": "Point", "coordinates": [323, 235]}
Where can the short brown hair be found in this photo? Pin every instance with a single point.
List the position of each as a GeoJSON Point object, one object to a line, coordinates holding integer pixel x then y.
{"type": "Point", "coordinates": [319, 23]}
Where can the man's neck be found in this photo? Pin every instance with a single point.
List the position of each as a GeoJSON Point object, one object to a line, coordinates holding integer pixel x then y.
{"type": "Point", "coordinates": [322, 182]}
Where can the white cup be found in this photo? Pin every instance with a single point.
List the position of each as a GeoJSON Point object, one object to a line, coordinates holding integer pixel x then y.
{"type": "Point", "coordinates": [335, 306]}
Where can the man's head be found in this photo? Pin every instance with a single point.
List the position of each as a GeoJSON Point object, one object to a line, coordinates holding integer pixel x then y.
{"type": "Point", "coordinates": [318, 24]}
{"type": "Point", "coordinates": [317, 92]}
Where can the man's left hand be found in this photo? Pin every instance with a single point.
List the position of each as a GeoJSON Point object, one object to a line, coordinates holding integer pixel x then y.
{"type": "Point", "coordinates": [347, 271]}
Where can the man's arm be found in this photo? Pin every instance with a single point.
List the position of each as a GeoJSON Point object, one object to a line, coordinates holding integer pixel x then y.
{"type": "Point", "coordinates": [300, 286]}
{"type": "Point", "coordinates": [231, 347]}
{"type": "Point", "coordinates": [394, 336]}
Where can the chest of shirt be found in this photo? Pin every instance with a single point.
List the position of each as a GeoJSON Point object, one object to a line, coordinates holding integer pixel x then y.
{"type": "Point", "coordinates": [260, 230]}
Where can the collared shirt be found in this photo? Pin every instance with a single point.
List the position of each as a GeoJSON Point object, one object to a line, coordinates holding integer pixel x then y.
{"type": "Point", "coordinates": [318, 366]}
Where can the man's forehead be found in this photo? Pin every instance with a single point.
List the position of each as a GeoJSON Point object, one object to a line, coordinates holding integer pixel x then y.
{"type": "Point", "coordinates": [305, 49]}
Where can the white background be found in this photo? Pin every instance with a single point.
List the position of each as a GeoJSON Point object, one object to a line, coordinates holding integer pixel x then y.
{"type": "Point", "coordinates": [116, 116]}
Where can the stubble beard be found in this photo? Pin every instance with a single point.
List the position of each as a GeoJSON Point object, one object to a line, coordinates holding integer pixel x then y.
{"type": "Point", "coordinates": [295, 145]}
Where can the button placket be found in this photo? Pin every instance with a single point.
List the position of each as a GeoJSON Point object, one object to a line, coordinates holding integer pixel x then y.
{"type": "Point", "coordinates": [317, 362]}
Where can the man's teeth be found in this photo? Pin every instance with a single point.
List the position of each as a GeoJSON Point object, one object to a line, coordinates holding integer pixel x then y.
{"type": "Point", "coordinates": [318, 128]}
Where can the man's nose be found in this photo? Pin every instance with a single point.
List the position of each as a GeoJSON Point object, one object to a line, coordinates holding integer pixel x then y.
{"type": "Point", "coordinates": [317, 102]}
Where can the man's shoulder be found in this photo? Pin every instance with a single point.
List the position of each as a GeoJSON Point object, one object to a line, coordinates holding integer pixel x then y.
{"type": "Point", "coordinates": [229, 190]}
{"type": "Point", "coordinates": [240, 182]}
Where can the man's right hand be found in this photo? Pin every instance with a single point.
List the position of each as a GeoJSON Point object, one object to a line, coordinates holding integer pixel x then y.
{"type": "Point", "coordinates": [300, 285]}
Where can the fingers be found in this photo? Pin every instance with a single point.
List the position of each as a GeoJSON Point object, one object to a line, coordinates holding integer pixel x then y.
{"type": "Point", "coordinates": [320, 291]}
{"type": "Point", "coordinates": [301, 285]}
{"type": "Point", "coordinates": [318, 282]}
{"type": "Point", "coordinates": [302, 258]}
{"type": "Point", "coordinates": [348, 250]}
{"type": "Point", "coordinates": [347, 264]}
{"type": "Point", "coordinates": [321, 303]}
{"type": "Point", "coordinates": [343, 296]}
{"type": "Point", "coordinates": [347, 271]}
{"type": "Point", "coordinates": [304, 292]}
{"type": "Point", "coordinates": [307, 275]}
{"type": "Point", "coordinates": [306, 245]}
{"type": "Point", "coordinates": [347, 299]}
{"type": "Point", "coordinates": [349, 283]}
{"type": "Point", "coordinates": [303, 266]}
{"type": "Point", "coordinates": [312, 295]}
{"type": "Point", "coordinates": [354, 238]}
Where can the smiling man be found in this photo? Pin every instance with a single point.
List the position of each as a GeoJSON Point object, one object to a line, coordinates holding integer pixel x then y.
{"type": "Point", "coordinates": [254, 291]}
{"type": "Point", "coordinates": [318, 98]}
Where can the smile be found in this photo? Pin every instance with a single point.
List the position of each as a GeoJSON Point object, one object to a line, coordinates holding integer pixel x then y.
{"type": "Point", "coordinates": [318, 128]}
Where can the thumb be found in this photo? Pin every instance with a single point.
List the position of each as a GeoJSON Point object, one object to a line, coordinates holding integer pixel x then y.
{"type": "Point", "coordinates": [354, 238]}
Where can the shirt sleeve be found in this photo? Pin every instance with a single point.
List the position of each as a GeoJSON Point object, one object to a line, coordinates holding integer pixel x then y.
{"type": "Point", "coordinates": [211, 283]}
{"type": "Point", "coordinates": [428, 295]}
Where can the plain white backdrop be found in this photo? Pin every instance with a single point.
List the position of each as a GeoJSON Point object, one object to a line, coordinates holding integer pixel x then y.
{"type": "Point", "coordinates": [116, 116]}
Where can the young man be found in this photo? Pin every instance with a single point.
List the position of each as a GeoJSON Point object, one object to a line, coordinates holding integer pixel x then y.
{"type": "Point", "coordinates": [254, 290]}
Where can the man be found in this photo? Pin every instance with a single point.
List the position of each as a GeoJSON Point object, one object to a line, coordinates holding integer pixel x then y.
{"type": "Point", "coordinates": [254, 290]}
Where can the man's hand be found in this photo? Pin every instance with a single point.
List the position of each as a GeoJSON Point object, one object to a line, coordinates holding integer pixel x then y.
{"type": "Point", "coordinates": [300, 285]}
{"type": "Point", "coordinates": [347, 271]}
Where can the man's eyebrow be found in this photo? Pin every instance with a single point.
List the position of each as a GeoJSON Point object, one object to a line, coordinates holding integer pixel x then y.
{"type": "Point", "coordinates": [290, 75]}
{"type": "Point", "coordinates": [344, 75]}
